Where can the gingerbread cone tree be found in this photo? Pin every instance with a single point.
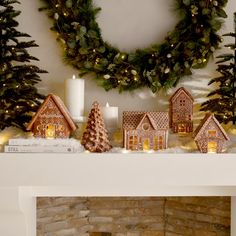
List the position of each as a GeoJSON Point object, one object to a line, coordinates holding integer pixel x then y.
{"type": "Point", "coordinates": [95, 137]}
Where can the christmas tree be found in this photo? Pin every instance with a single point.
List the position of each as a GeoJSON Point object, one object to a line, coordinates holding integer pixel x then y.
{"type": "Point", "coordinates": [95, 137]}
{"type": "Point", "coordinates": [223, 101]}
{"type": "Point", "coordinates": [19, 98]}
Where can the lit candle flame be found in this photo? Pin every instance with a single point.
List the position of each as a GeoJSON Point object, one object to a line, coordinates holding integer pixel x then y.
{"type": "Point", "coordinates": [107, 104]}
{"type": "Point", "coordinates": [73, 77]}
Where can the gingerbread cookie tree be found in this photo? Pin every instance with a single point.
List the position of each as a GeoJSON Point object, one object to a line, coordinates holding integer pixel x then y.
{"type": "Point", "coordinates": [95, 137]}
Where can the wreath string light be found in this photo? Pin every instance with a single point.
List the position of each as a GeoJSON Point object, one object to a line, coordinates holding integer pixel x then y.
{"type": "Point", "coordinates": [160, 66]}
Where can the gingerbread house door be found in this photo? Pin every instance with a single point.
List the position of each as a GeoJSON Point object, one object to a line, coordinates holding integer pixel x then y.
{"type": "Point", "coordinates": [50, 131]}
{"type": "Point", "coordinates": [182, 128]}
{"type": "Point", "coordinates": [212, 147]}
{"type": "Point", "coordinates": [146, 144]}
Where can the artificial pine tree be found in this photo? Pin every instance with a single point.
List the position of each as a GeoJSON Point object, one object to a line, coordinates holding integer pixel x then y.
{"type": "Point", "coordinates": [19, 98]}
{"type": "Point", "coordinates": [223, 103]}
{"type": "Point", "coordinates": [95, 137]}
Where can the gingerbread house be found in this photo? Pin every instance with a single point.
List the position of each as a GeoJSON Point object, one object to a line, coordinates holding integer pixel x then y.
{"type": "Point", "coordinates": [210, 137]}
{"type": "Point", "coordinates": [181, 111]}
{"type": "Point", "coordinates": [52, 119]}
{"type": "Point", "coordinates": [145, 130]}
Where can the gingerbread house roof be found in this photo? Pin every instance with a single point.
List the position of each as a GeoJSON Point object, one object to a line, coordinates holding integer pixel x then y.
{"type": "Point", "coordinates": [58, 102]}
{"type": "Point", "coordinates": [178, 92]}
{"type": "Point", "coordinates": [132, 119]}
{"type": "Point", "coordinates": [205, 121]}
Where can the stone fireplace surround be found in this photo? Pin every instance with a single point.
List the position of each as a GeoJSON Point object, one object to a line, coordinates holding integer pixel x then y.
{"type": "Point", "coordinates": [133, 216]}
{"type": "Point", "coordinates": [23, 177]}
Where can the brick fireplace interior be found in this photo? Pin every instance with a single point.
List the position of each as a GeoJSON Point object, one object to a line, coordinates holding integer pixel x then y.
{"type": "Point", "coordinates": [133, 216]}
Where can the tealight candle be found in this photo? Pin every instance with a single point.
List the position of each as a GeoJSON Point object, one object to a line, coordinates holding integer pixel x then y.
{"type": "Point", "coordinates": [74, 97]}
{"type": "Point", "coordinates": [110, 116]}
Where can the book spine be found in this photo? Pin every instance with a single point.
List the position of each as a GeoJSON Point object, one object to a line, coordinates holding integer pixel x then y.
{"type": "Point", "coordinates": [35, 142]}
{"type": "Point", "coordinates": [39, 149]}
{"type": "Point", "coordinates": [21, 142]}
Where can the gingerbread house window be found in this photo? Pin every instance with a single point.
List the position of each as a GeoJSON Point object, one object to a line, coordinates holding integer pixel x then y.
{"type": "Point", "coordinates": [61, 128]}
{"type": "Point", "coordinates": [146, 126]}
{"type": "Point", "coordinates": [133, 142]}
{"type": "Point", "coordinates": [50, 131]}
{"type": "Point", "coordinates": [155, 147]}
{"type": "Point", "coordinates": [211, 133]}
{"type": "Point", "coordinates": [158, 142]}
{"type": "Point", "coordinates": [182, 128]}
{"type": "Point", "coordinates": [182, 102]}
{"type": "Point", "coordinates": [39, 127]}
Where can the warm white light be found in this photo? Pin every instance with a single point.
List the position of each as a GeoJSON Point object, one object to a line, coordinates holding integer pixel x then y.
{"type": "Point", "coordinates": [73, 77]}
{"type": "Point", "coordinates": [125, 151]}
{"type": "Point", "coordinates": [3, 139]}
{"type": "Point", "coordinates": [212, 147]}
{"type": "Point", "coordinates": [107, 104]}
{"type": "Point", "coordinates": [149, 151]}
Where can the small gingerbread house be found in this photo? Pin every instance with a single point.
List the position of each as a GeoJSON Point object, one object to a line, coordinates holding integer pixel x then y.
{"type": "Point", "coordinates": [181, 111]}
{"type": "Point", "coordinates": [145, 130]}
{"type": "Point", "coordinates": [52, 119]}
{"type": "Point", "coordinates": [210, 136]}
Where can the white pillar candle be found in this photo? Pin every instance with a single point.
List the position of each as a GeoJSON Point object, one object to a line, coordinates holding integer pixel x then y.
{"type": "Point", "coordinates": [74, 97]}
{"type": "Point", "coordinates": [110, 116]}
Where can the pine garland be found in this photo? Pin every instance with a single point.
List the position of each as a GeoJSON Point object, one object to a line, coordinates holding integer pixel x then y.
{"type": "Point", "coordinates": [161, 66]}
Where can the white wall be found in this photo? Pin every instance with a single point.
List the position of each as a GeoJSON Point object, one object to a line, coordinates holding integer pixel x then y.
{"type": "Point", "coordinates": [127, 24]}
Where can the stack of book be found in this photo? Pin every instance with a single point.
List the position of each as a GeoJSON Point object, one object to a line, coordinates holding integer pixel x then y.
{"type": "Point", "coordinates": [43, 145]}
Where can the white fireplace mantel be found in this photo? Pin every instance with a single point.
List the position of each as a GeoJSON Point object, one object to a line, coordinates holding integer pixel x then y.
{"type": "Point", "coordinates": [23, 177]}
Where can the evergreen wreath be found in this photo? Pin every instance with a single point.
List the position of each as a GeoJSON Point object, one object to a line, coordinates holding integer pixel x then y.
{"type": "Point", "coordinates": [160, 66]}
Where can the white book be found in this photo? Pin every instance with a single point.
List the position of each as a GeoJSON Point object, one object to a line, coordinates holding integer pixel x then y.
{"type": "Point", "coordinates": [40, 149]}
{"type": "Point", "coordinates": [42, 142]}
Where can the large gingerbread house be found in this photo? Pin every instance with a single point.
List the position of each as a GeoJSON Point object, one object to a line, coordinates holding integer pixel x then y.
{"type": "Point", "coordinates": [145, 130]}
{"type": "Point", "coordinates": [181, 111]}
{"type": "Point", "coordinates": [210, 137]}
{"type": "Point", "coordinates": [52, 119]}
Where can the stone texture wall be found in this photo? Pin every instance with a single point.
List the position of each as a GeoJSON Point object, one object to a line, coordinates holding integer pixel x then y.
{"type": "Point", "coordinates": [133, 216]}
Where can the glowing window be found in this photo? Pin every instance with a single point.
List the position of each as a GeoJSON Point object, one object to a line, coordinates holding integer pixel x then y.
{"type": "Point", "coordinates": [182, 128]}
{"type": "Point", "coordinates": [211, 133]}
{"type": "Point", "coordinates": [158, 142]}
{"type": "Point", "coordinates": [50, 131]}
{"type": "Point", "coordinates": [133, 142]}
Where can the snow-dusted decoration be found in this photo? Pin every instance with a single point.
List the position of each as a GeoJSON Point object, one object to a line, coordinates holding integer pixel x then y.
{"type": "Point", "coordinates": [210, 137]}
{"type": "Point", "coordinates": [181, 111]}
{"type": "Point", "coordinates": [52, 120]}
{"type": "Point", "coordinates": [145, 130]}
